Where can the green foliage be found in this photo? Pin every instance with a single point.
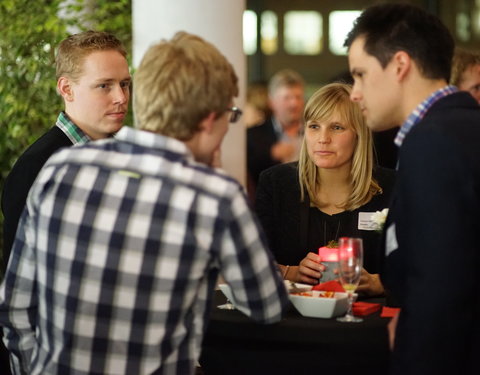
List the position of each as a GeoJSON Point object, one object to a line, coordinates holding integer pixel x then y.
{"type": "Point", "coordinates": [31, 30]}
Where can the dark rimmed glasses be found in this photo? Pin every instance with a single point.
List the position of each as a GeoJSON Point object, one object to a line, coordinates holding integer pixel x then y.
{"type": "Point", "coordinates": [236, 113]}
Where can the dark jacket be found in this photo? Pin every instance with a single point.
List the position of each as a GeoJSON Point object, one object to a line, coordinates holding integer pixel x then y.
{"type": "Point", "coordinates": [293, 228]}
{"type": "Point", "coordinates": [433, 266]}
{"type": "Point", "coordinates": [260, 140]}
{"type": "Point", "coordinates": [21, 178]}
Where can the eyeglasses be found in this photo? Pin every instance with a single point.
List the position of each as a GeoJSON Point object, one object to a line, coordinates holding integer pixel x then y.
{"type": "Point", "coordinates": [236, 113]}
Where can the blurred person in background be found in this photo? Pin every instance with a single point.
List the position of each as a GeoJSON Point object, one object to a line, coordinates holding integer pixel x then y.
{"type": "Point", "coordinates": [466, 72]}
{"type": "Point", "coordinates": [278, 139]}
{"type": "Point", "coordinates": [257, 107]}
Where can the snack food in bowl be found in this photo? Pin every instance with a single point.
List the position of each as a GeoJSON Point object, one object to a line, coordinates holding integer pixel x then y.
{"type": "Point", "coordinates": [291, 287]}
{"type": "Point", "coordinates": [320, 304]}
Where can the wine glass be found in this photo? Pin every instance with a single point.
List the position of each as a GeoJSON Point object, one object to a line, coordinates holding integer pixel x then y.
{"type": "Point", "coordinates": [350, 262]}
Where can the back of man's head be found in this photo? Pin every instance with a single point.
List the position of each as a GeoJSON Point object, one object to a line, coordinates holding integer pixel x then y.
{"type": "Point", "coordinates": [389, 28]}
{"type": "Point", "coordinates": [72, 51]}
{"type": "Point", "coordinates": [284, 78]}
{"type": "Point", "coordinates": [180, 82]}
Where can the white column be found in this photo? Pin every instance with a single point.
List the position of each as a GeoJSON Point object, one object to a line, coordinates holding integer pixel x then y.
{"type": "Point", "coordinates": [217, 21]}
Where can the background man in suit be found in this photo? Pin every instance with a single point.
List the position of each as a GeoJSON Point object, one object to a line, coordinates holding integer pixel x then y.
{"type": "Point", "coordinates": [94, 81]}
{"type": "Point", "coordinates": [466, 72]}
{"type": "Point", "coordinates": [400, 58]}
{"type": "Point", "coordinates": [278, 139]}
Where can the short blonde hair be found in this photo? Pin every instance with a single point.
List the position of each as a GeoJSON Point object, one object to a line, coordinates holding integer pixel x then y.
{"type": "Point", "coordinates": [462, 60]}
{"type": "Point", "coordinates": [330, 99]}
{"type": "Point", "coordinates": [73, 50]}
{"type": "Point", "coordinates": [178, 83]}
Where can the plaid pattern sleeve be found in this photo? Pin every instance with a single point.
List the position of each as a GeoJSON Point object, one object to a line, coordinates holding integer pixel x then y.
{"type": "Point", "coordinates": [18, 292]}
{"type": "Point", "coordinates": [113, 269]}
{"type": "Point", "coordinates": [248, 268]}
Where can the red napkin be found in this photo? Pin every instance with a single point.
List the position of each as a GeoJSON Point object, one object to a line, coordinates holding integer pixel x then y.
{"type": "Point", "coordinates": [365, 308]}
{"type": "Point", "coordinates": [329, 286]}
{"type": "Point", "coordinates": [389, 312]}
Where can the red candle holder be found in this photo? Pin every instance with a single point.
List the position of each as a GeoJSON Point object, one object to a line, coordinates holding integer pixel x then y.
{"type": "Point", "coordinates": [329, 258]}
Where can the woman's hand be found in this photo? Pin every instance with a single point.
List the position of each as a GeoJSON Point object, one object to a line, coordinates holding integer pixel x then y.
{"type": "Point", "coordinates": [308, 271]}
{"type": "Point", "coordinates": [370, 284]}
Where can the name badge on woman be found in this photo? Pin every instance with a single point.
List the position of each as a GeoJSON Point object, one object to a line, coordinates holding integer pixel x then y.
{"type": "Point", "coordinates": [365, 221]}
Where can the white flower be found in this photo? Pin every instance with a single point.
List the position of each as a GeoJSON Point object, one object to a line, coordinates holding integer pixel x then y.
{"type": "Point", "coordinates": [379, 218]}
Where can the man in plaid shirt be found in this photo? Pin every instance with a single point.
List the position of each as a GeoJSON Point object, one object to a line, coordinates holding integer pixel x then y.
{"type": "Point", "coordinates": [118, 250]}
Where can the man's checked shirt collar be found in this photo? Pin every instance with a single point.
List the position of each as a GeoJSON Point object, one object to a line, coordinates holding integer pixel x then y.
{"type": "Point", "coordinates": [420, 112]}
{"type": "Point", "coordinates": [72, 131]}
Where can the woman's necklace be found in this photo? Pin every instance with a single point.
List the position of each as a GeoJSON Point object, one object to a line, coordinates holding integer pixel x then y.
{"type": "Point", "coordinates": [331, 243]}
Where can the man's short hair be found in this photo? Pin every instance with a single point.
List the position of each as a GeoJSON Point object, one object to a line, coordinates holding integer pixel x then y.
{"type": "Point", "coordinates": [389, 28]}
{"type": "Point", "coordinates": [72, 51]}
{"type": "Point", "coordinates": [463, 60]}
{"type": "Point", "coordinates": [178, 83]}
{"type": "Point", "coordinates": [284, 78]}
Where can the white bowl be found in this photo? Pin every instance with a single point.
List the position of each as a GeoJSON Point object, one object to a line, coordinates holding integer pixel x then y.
{"type": "Point", "coordinates": [315, 306]}
{"type": "Point", "coordinates": [227, 291]}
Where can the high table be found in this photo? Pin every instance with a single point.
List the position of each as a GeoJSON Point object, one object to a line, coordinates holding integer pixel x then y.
{"type": "Point", "coordinates": [235, 344]}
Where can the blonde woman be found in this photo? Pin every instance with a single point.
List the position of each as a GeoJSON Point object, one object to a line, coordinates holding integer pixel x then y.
{"type": "Point", "coordinates": [329, 193]}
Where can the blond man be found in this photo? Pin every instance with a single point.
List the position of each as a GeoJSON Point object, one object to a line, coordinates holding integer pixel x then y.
{"type": "Point", "coordinates": [94, 81]}
{"type": "Point", "coordinates": [139, 228]}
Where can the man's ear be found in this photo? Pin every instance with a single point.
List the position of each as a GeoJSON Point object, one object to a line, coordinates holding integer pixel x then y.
{"type": "Point", "coordinates": [207, 123]}
{"type": "Point", "coordinates": [402, 64]}
{"type": "Point", "coordinates": [64, 88]}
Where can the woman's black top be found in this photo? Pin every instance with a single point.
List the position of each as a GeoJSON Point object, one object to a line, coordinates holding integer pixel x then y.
{"type": "Point", "coordinates": [293, 228]}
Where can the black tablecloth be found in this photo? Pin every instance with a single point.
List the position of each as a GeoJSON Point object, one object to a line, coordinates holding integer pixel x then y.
{"type": "Point", "coordinates": [234, 344]}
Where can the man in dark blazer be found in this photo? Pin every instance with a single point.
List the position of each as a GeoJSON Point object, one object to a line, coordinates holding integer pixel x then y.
{"type": "Point", "coordinates": [277, 140]}
{"type": "Point", "coordinates": [400, 58]}
{"type": "Point", "coordinates": [94, 81]}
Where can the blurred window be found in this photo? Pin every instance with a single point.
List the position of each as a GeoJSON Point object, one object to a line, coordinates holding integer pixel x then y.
{"type": "Point", "coordinates": [269, 32]}
{"type": "Point", "coordinates": [340, 23]}
{"type": "Point", "coordinates": [303, 32]}
{"type": "Point", "coordinates": [463, 26]}
{"type": "Point", "coordinates": [476, 20]}
{"type": "Point", "coordinates": [249, 32]}
{"type": "Point", "coordinates": [463, 20]}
